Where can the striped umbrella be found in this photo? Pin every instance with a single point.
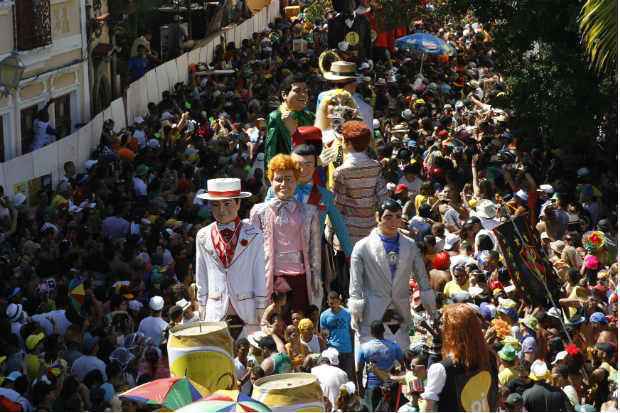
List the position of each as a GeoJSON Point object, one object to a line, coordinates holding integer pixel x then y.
{"type": "Point", "coordinates": [226, 401]}
{"type": "Point", "coordinates": [170, 393]}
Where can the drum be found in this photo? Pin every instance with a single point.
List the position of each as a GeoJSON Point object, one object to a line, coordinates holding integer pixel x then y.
{"type": "Point", "coordinates": [257, 5]}
{"type": "Point", "coordinates": [202, 351]}
{"type": "Point", "coordinates": [293, 392]}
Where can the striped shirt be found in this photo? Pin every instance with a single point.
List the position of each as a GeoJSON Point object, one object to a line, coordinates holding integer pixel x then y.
{"type": "Point", "coordinates": [358, 189]}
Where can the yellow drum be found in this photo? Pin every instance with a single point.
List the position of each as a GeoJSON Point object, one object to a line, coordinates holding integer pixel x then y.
{"type": "Point", "coordinates": [202, 351]}
{"type": "Point", "coordinates": [257, 5]}
{"type": "Point", "coordinates": [293, 392]}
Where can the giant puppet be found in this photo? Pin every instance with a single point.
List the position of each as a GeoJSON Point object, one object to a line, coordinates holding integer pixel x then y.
{"type": "Point", "coordinates": [230, 262]}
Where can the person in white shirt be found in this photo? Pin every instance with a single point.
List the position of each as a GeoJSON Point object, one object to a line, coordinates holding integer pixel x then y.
{"type": "Point", "coordinates": [412, 180]}
{"type": "Point", "coordinates": [153, 326]}
{"type": "Point", "coordinates": [89, 361]}
{"type": "Point", "coordinates": [140, 179]}
{"type": "Point", "coordinates": [329, 376]}
{"type": "Point", "coordinates": [43, 133]}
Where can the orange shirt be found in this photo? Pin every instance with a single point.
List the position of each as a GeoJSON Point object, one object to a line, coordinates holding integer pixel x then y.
{"type": "Point", "coordinates": [126, 154]}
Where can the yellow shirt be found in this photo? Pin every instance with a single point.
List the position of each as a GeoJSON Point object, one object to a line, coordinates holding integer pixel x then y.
{"type": "Point", "coordinates": [507, 374]}
{"type": "Point", "coordinates": [452, 287]}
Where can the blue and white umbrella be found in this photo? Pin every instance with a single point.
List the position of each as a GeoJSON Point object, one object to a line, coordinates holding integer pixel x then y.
{"type": "Point", "coordinates": [425, 43]}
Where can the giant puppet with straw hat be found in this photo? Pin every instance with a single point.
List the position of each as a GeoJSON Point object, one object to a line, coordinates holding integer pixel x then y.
{"type": "Point", "coordinates": [230, 262]}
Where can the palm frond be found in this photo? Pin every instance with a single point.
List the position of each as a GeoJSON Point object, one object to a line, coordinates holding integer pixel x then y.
{"type": "Point", "coordinates": [599, 27]}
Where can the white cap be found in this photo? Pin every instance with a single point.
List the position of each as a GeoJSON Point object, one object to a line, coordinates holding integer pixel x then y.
{"type": "Point", "coordinates": [376, 124]}
{"type": "Point", "coordinates": [90, 163]}
{"type": "Point", "coordinates": [546, 188]}
{"type": "Point", "coordinates": [156, 303]}
{"type": "Point", "coordinates": [138, 120]}
{"type": "Point", "coordinates": [167, 116]}
{"type": "Point", "coordinates": [544, 235]}
{"type": "Point", "coordinates": [559, 357]}
{"type": "Point", "coordinates": [450, 241]}
{"type": "Point", "coordinates": [14, 312]}
{"type": "Point", "coordinates": [183, 303]}
{"type": "Point", "coordinates": [135, 305]}
{"type": "Point", "coordinates": [153, 144]}
{"type": "Point", "coordinates": [332, 355]}
{"type": "Point", "coordinates": [19, 199]}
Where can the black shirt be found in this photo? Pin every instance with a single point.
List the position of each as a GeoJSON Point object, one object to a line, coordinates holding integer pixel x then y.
{"type": "Point", "coordinates": [543, 397]}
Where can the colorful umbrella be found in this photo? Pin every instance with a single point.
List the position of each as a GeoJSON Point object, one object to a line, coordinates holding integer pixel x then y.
{"type": "Point", "coordinates": [425, 43]}
{"type": "Point", "coordinates": [77, 294]}
{"type": "Point", "coordinates": [226, 401]}
{"type": "Point", "coordinates": [170, 393]}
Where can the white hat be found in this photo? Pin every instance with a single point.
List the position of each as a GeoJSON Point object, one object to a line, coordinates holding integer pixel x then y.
{"type": "Point", "coordinates": [341, 70]}
{"type": "Point", "coordinates": [138, 120]}
{"type": "Point", "coordinates": [156, 303]}
{"type": "Point", "coordinates": [539, 370]}
{"type": "Point", "coordinates": [349, 387]}
{"type": "Point", "coordinates": [14, 312]}
{"type": "Point", "coordinates": [544, 235]}
{"type": "Point", "coordinates": [450, 241]}
{"type": "Point", "coordinates": [522, 195]}
{"type": "Point", "coordinates": [224, 188]}
{"type": "Point", "coordinates": [332, 355]}
{"type": "Point", "coordinates": [90, 163]}
{"type": "Point", "coordinates": [19, 199]}
{"type": "Point", "coordinates": [255, 338]}
{"type": "Point", "coordinates": [183, 303]}
{"type": "Point", "coordinates": [486, 209]}
{"type": "Point", "coordinates": [135, 305]}
{"type": "Point", "coordinates": [376, 124]}
{"type": "Point", "coordinates": [559, 357]}
{"type": "Point", "coordinates": [546, 188]}
{"type": "Point", "coordinates": [153, 144]}
{"type": "Point", "coordinates": [167, 116]}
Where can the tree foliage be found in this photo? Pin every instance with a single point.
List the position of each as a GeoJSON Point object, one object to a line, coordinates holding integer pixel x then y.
{"type": "Point", "coordinates": [554, 94]}
{"type": "Point", "coordinates": [599, 25]}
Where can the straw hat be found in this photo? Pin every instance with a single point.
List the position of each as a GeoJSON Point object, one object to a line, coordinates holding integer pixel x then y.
{"type": "Point", "coordinates": [224, 188]}
{"type": "Point", "coordinates": [341, 70]}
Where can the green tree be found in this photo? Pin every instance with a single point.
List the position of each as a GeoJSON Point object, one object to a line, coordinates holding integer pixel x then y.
{"type": "Point", "coordinates": [599, 25]}
{"type": "Point", "coordinates": [553, 93]}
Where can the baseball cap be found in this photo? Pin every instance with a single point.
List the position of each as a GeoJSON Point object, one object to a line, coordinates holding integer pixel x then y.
{"type": "Point", "coordinates": [598, 318]}
{"type": "Point", "coordinates": [450, 241]}
{"type": "Point", "coordinates": [13, 376]}
{"type": "Point", "coordinates": [156, 303]}
{"type": "Point", "coordinates": [400, 188]}
{"type": "Point", "coordinates": [14, 311]}
{"type": "Point", "coordinates": [559, 357]}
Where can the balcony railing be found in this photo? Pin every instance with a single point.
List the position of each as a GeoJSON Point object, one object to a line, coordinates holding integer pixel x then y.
{"type": "Point", "coordinates": [33, 27]}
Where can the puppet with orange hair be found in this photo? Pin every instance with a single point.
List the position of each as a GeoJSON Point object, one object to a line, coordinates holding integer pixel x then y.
{"type": "Point", "coordinates": [292, 238]}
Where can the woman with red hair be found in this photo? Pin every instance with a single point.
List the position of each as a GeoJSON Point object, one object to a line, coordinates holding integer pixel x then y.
{"type": "Point", "coordinates": [466, 378]}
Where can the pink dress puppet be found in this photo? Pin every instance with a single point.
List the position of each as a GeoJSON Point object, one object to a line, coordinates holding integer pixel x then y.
{"type": "Point", "coordinates": [292, 238]}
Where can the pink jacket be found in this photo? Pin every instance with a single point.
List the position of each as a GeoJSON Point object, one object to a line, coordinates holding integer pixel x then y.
{"type": "Point", "coordinates": [263, 216]}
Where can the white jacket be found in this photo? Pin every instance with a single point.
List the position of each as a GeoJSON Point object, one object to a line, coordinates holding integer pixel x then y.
{"type": "Point", "coordinates": [242, 285]}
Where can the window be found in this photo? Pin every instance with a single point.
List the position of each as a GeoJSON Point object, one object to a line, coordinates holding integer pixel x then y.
{"type": "Point", "coordinates": [27, 117]}
{"type": "Point", "coordinates": [33, 27]}
{"type": "Point", "coordinates": [62, 115]}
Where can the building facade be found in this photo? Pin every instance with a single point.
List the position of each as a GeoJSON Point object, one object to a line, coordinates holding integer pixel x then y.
{"type": "Point", "coordinates": [51, 39]}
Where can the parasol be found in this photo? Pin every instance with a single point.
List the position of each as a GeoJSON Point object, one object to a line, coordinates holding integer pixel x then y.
{"type": "Point", "coordinates": [77, 294]}
{"type": "Point", "coordinates": [425, 43]}
{"type": "Point", "coordinates": [226, 401]}
{"type": "Point", "coordinates": [170, 393]}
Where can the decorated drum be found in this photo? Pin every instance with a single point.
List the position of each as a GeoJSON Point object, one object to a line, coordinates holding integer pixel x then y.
{"type": "Point", "coordinates": [293, 392]}
{"type": "Point", "coordinates": [202, 351]}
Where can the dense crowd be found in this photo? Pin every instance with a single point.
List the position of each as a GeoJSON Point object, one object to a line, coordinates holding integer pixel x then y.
{"type": "Point", "coordinates": [97, 271]}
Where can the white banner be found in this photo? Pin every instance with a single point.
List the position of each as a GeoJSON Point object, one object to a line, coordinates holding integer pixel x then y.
{"type": "Point", "coordinates": [97, 128]}
{"type": "Point", "coordinates": [152, 87]}
{"type": "Point", "coordinates": [45, 159]}
{"type": "Point", "coordinates": [68, 151]}
{"type": "Point", "coordinates": [86, 143]}
{"type": "Point", "coordinates": [19, 170]}
{"type": "Point", "coordinates": [182, 64]}
{"type": "Point", "coordinates": [194, 57]}
{"type": "Point", "coordinates": [118, 114]}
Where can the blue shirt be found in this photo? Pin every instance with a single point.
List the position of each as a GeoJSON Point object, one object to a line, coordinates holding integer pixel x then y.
{"type": "Point", "coordinates": [392, 249]}
{"type": "Point", "coordinates": [338, 325]}
{"type": "Point", "coordinates": [383, 353]}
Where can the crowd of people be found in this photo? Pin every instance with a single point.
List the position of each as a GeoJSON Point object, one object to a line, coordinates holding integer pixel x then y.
{"type": "Point", "coordinates": [354, 208]}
